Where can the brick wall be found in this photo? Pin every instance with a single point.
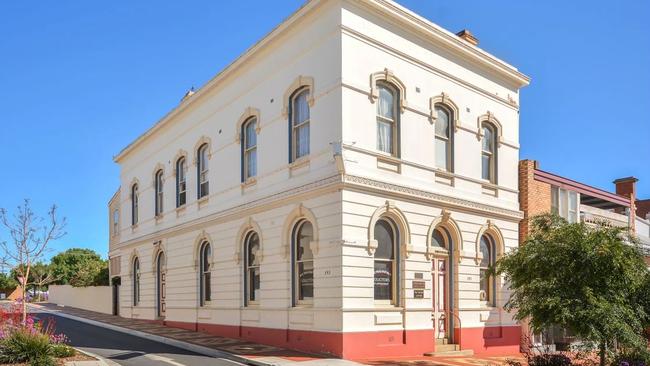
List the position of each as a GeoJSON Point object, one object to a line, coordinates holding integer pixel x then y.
{"type": "Point", "coordinates": [642, 208]}
{"type": "Point", "coordinates": [534, 196]}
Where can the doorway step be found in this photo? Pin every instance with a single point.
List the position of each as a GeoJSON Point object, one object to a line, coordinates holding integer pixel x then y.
{"type": "Point", "coordinates": [444, 348]}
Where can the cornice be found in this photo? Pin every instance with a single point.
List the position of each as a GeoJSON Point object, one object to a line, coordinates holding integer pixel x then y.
{"type": "Point", "coordinates": [362, 182]}
{"type": "Point", "coordinates": [329, 184]}
{"type": "Point", "coordinates": [439, 35]}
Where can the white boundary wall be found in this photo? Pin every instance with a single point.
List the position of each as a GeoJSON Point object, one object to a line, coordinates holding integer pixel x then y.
{"type": "Point", "coordinates": [94, 298]}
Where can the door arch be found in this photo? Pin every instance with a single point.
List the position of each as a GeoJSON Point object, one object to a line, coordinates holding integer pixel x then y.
{"type": "Point", "coordinates": [161, 288]}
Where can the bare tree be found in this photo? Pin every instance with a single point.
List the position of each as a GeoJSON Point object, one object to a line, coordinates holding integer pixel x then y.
{"type": "Point", "coordinates": [30, 236]}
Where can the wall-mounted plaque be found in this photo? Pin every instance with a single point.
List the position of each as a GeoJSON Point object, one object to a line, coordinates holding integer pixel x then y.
{"type": "Point", "coordinates": [418, 294]}
{"type": "Point", "coordinates": [419, 284]}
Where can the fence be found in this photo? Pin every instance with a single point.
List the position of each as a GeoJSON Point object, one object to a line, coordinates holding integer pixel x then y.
{"type": "Point", "coordinates": [97, 298]}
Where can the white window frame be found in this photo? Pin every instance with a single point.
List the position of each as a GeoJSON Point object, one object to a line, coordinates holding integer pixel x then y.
{"type": "Point", "coordinates": [491, 154]}
{"type": "Point", "coordinates": [296, 263]}
{"type": "Point", "coordinates": [205, 286]}
{"type": "Point", "coordinates": [394, 123]}
{"type": "Point", "coordinates": [561, 204]}
{"type": "Point", "coordinates": [181, 182]}
{"type": "Point", "coordinates": [250, 268]}
{"type": "Point", "coordinates": [135, 202]}
{"type": "Point", "coordinates": [159, 193]}
{"type": "Point", "coordinates": [295, 127]}
{"type": "Point", "coordinates": [136, 281]}
{"type": "Point", "coordinates": [447, 140]}
{"type": "Point", "coordinates": [249, 149]}
{"type": "Point", "coordinates": [393, 301]}
{"type": "Point", "coordinates": [203, 187]}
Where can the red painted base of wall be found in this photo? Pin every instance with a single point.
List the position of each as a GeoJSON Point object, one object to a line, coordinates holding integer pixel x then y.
{"type": "Point", "coordinates": [365, 345]}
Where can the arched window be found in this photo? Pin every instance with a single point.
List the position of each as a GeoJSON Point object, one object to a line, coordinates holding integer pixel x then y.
{"type": "Point", "coordinates": [205, 287]}
{"type": "Point", "coordinates": [487, 289]}
{"type": "Point", "coordinates": [299, 124]}
{"type": "Point", "coordinates": [438, 239]}
{"type": "Point", "coordinates": [252, 268]}
{"type": "Point", "coordinates": [386, 262]}
{"type": "Point", "coordinates": [136, 281]}
{"type": "Point", "coordinates": [249, 149]}
{"type": "Point", "coordinates": [488, 153]}
{"type": "Point", "coordinates": [388, 119]}
{"type": "Point", "coordinates": [158, 188]}
{"type": "Point", "coordinates": [134, 204]}
{"type": "Point", "coordinates": [444, 139]}
{"type": "Point", "coordinates": [116, 222]}
{"type": "Point", "coordinates": [181, 183]}
{"type": "Point", "coordinates": [302, 258]}
{"type": "Point", "coordinates": [202, 171]}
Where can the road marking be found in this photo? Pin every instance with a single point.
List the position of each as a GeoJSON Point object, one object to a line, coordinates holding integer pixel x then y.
{"type": "Point", "coordinates": [163, 359]}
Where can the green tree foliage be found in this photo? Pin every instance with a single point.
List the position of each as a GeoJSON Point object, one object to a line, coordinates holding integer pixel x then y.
{"type": "Point", "coordinates": [587, 279]}
{"type": "Point", "coordinates": [7, 282]}
{"type": "Point", "coordinates": [79, 267]}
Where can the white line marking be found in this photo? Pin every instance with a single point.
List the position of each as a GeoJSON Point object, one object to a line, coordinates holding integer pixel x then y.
{"type": "Point", "coordinates": [168, 360]}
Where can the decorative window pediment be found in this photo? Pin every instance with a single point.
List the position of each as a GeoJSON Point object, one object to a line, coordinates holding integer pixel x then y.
{"type": "Point", "coordinates": [389, 77]}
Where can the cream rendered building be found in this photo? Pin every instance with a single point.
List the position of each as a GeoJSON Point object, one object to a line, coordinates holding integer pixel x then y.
{"type": "Point", "coordinates": [339, 188]}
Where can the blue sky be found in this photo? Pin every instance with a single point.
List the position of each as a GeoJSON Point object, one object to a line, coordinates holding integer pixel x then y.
{"type": "Point", "coordinates": [81, 79]}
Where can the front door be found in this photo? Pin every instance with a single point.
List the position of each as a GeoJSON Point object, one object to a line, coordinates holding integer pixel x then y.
{"type": "Point", "coordinates": [160, 285]}
{"type": "Point", "coordinates": [440, 298]}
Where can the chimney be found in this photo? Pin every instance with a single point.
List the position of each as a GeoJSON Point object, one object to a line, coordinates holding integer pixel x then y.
{"type": "Point", "coordinates": [468, 36]}
{"type": "Point", "coordinates": [626, 187]}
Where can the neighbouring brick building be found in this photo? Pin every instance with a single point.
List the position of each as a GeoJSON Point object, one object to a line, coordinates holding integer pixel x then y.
{"type": "Point", "coordinates": [543, 192]}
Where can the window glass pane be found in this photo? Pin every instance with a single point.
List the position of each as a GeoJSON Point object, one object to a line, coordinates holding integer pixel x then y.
{"type": "Point", "coordinates": [254, 284]}
{"type": "Point", "coordinates": [206, 287]}
{"type": "Point", "coordinates": [437, 239]}
{"type": "Point", "coordinates": [385, 239]}
{"type": "Point", "coordinates": [441, 153]}
{"type": "Point", "coordinates": [485, 252]}
{"type": "Point", "coordinates": [442, 123]}
{"type": "Point", "coordinates": [385, 136]}
{"type": "Point", "coordinates": [383, 280]}
{"type": "Point", "coordinates": [555, 204]}
{"type": "Point", "coordinates": [302, 140]}
{"type": "Point", "coordinates": [385, 105]}
{"type": "Point", "coordinates": [253, 248]}
{"type": "Point", "coordinates": [300, 108]}
{"type": "Point", "coordinates": [485, 284]}
{"type": "Point", "coordinates": [487, 139]}
{"type": "Point", "coordinates": [251, 163]}
{"type": "Point", "coordinates": [306, 280]}
{"type": "Point", "coordinates": [563, 204]}
{"type": "Point", "coordinates": [486, 165]}
{"type": "Point", "coordinates": [303, 238]}
{"type": "Point", "coordinates": [251, 134]}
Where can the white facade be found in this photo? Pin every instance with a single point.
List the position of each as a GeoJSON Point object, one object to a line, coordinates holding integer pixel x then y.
{"type": "Point", "coordinates": [340, 52]}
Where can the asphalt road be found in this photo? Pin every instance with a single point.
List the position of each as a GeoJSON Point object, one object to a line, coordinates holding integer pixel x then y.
{"type": "Point", "coordinates": [125, 349]}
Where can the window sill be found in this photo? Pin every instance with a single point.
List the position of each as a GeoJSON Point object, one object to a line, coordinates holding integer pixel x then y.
{"type": "Point", "coordinates": [134, 227]}
{"type": "Point", "coordinates": [249, 183]}
{"type": "Point", "coordinates": [202, 201]}
{"type": "Point", "coordinates": [444, 177]}
{"type": "Point", "coordinates": [489, 189]}
{"type": "Point", "coordinates": [159, 218]}
{"type": "Point", "coordinates": [389, 163]}
{"type": "Point", "coordinates": [299, 163]}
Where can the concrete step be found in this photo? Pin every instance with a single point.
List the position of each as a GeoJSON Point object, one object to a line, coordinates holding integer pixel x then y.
{"type": "Point", "coordinates": [465, 353]}
{"type": "Point", "coordinates": [447, 347]}
{"type": "Point", "coordinates": [442, 341]}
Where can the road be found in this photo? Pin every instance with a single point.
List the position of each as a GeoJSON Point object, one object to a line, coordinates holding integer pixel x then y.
{"type": "Point", "coordinates": [125, 349]}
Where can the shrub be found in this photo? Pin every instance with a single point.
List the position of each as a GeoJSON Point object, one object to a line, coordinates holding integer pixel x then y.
{"type": "Point", "coordinates": [60, 350]}
{"type": "Point", "coordinates": [23, 345]}
{"type": "Point", "coordinates": [549, 359]}
{"type": "Point", "coordinates": [632, 358]}
{"type": "Point", "coordinates": [43, 361]}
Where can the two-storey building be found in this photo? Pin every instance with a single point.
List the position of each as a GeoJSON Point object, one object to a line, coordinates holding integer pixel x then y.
{"type": "Point", "coordinates": [341, 187]}
{"type": "Point", "coordinates": [545, 192]}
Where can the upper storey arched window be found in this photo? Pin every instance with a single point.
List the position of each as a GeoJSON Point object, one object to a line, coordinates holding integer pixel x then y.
{"type": "Point", "coordinates": [386, 261]}
{"type": "Point", "coordinates": [302, 258]}
{"type": "Point", "coordinates": [205, 287]}
{"type": "Point", "coordinates": [488, 153]}
{"type": "Point", "coordinates": [249, 149]}
{"type": "Point", "coordinates": [181, 182]}
{"type": "Point", "coordinates": [158, 189]}
{"type": "Point", "coordinates": [202, 171]}
{"type": "Point", "coordinates": [388, 118]}
{"type": "Point", "coordinates": [299, 118]}
{"type": "Point", "coordinates": [444, 138]}
{"type": "Point", "coordinates": [134, 204]}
